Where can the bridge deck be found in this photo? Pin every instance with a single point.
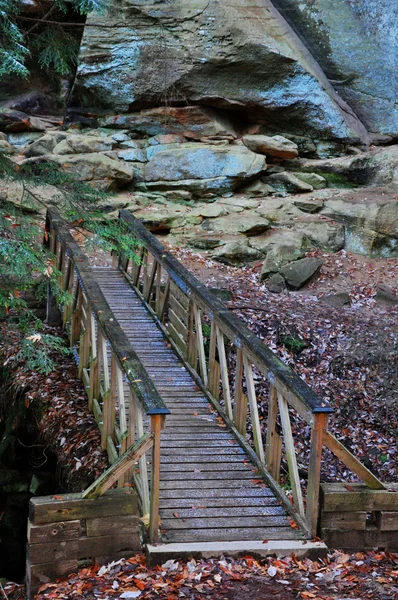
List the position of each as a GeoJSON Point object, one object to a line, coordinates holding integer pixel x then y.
{"type": "Point", "coordinates": [210, 491]}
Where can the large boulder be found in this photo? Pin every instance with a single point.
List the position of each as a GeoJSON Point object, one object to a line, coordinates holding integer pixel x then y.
{"type": "Point", "coordinates": [237, 223]}
{"type": "Point", "coordinates": [299, 272]}
{"type": "Point", "coordinates": [287, 182]}
{"type": "Point", "coordinates": [323, 233]}
{"type": "Point", "coordinates": [278, 257]}
{"type": "Point", "coordinates": [89, 167]}
{"type": "Point", "coordinates": [14, 121]}
{"type": "Point", "coordinates": [236, 253]}
{"type": "Point", "coordinates": [280, 237]}
{"type": "Point", "coordinates": [351, 39]}
{"type": "Point", "coordinates": [201, 167]}
{"type": "Point", "coordinates": [276, 146]}
{"type": "Point", "coordinates": [377, 167]}
{"type": "Point", "coordinates": [45, 144]}
{"type": "Point", "coordinates": [83, 144]}
{"type": "Point", "coordinates": [229, 55]}
{"type": "Point", "coordinates": [193, 122]}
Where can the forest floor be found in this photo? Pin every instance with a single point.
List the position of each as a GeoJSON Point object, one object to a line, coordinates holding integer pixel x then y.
{"type": "Point", "coordinates": [339, 576]}
{"type": "Point", "coordinates": [350, 357]}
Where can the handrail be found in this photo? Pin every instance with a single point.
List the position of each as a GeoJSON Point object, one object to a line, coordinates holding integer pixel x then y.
{"type": "Point", "coordinates": [185, 307]}
{"type": "Point", "coordinates": [134, 370]}
{"type": "Point", "coordinates": [280, 375]}
{"type": "Point", "coordinates": [93, 330]}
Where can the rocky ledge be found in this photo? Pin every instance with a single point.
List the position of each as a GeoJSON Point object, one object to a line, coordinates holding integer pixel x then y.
{"type": "Point", "coordinates": [190, 173]}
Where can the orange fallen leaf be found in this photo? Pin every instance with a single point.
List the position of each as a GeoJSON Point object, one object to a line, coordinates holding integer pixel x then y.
{"type": "Point", "coordinates": [293, 524]}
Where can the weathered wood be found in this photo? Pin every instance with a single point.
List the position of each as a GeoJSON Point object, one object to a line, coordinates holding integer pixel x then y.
{"type": "Point", "coordinates": [126, 524]}
{"type": "Point", "coordinates": [339, 521]}
{"type": "Point", "coordinates": [224, 373]}
{"type": "Point", "coordinates": [156, 427]}
{"type": "Point", "coordinates": [37, 575]}
{"type": "Point", "coordinates": [214, 365]}
{"type": "Point", "coordinates": [251, 394]}
{"type": "Point", "coordinates": [84, 547]}
{"type": "Point", "coordinates": [71, 507]}
{"type": "Point", "coordinates": [223, 503]}
{"type": "Point", "coordinates": [108, 416]}
{"type": "Point", "coordinates": [240, 400]}
{"type": "Point", "coordinates": [178, 324]}
{"type": "Point", "coordinates": [314, 472]}
{"type": "Point", "coordinates": [386, 520]}
{"type": "Point", "coordinates": [273, 452]}
{"type": "Point", "coordinates": [338, 497]}
{"type": "Point", "coordinates": [200, 344]}
{"type": "Point", "coordinates": [352, 462]}
{"type": "Point", "coordinates": [219, 492]}
{"type": "Point", "coordinates": [63, 530]}
{"type": "Point", "coordinates": [242, 522]}
{"type": "Point", "coordinates": [225, 512]}
{"type": "Point", "coordinates": [231, 534]}
{"type": "Point", "coordinates": [123, 463]}
{"type": "Point", "coordinates": [291, 455]}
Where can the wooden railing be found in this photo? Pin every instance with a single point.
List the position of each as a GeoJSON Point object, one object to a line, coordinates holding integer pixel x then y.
{"type": "Point", "coordinates": [185, 308]}
{"type": "Point", "coordinates": [120, 391]}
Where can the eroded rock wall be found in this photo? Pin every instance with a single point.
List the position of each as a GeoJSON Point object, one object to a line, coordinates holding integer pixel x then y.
{"type": "Point", "coordinates": [356, 44]}
{"type": "Point", "coordinates": [238, 55]}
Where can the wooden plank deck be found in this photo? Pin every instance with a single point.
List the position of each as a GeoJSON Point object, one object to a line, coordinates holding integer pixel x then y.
{"type": "Point", "coordinates": [209, 488]}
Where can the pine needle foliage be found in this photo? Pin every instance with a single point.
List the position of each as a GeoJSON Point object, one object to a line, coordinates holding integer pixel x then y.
{"type": "Point", "coordinates": [25, 264]}
{"type": "Point", "coordinates": [47, 41]}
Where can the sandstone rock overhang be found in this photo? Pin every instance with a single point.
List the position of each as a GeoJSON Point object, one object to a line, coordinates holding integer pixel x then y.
{"type": "Point", "coordinates": [242, 57]}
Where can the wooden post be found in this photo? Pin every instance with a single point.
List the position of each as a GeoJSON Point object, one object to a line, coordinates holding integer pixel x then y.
{"type": "Point", "coordinates": [291, 455]}
{"type": "Point", "coordinates": [273, 446]}
{"type": "Point", "coordinates": [156, 426]}
{"type": "Point", "coordinates": [201, 347]}
{"type": "Point", "coordinates": [240, 400]}
{"type": "Point", "coordinates": [251, 394]}
{"type": "Point", "coordinates": [77, 315]}
{"type": "Point", "coordinates": [192, 351]}
{"type": "Point", "coordinates": [224, 373]}
{"type": "Point", "coordinates": [314, 471]}
{"type": "Point", "coordinates": [143, 479]}
{"type": "Point", "coordinates": [214, 366]}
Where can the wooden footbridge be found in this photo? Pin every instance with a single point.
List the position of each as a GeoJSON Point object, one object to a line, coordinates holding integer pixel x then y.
{"type": "Point", "coordinates": [171, 378]}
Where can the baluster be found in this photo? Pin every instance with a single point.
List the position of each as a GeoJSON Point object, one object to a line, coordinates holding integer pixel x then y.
{"type": "Point", "coordinates": [109, 409]}
{"type": "Point", "coordinates": [158, 297]}
{"type": "Point", "coordinates": [77, 314]}
{"type": "Point", "coordinates": [273, 452]}
{"type": "Point", "coordinates": [314, 471]}
{"type": "Point", "coordinates": [214, 365]}
{"type": "Point", "coordinates": [251, 393]}
{"type": "Point", "coordinates": [201, 347]}
{"type": "Point", "coordinates": [192, 345]}
{"type": "Point", "coordinates": [165, 298]}
{"type": "Point", "coordinates": [136, 268]}
{"type": "Point", "coordinates": [144, 272]}
{"type": "Point", "coordinates": [68, 287]}
{"type": "Point", "coordinates": [149, 280]}
{"type": "Point", "coordinates": [291, 455]}
{"type": "Point", "coordinates": [84, 344]}
{"type": "Point", "coordinates": [106, 395]}
{"type": "Point", "coordinates": [240, 400]}
{"type": "Point", "coordinates": [95, 377]}
{"type": "Point", "coordinates": [156, 426]}
{"type": "Point", "coordinates": [224, 373]}
{"type": "Point", "coordinates": [144, 487]}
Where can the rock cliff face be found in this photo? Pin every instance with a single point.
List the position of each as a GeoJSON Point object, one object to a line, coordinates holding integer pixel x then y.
{"type": "Point", "coordinates": [238, 55]}
{"type": "Point", "coordinates": [355, 42]}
